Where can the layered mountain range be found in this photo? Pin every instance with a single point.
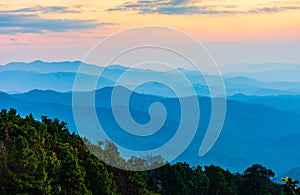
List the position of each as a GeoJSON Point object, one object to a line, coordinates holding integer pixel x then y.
{"type": "Point", "coordinates": [262, 123]}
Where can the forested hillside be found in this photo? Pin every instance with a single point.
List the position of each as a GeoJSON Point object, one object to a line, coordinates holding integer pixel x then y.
{"type": "Point", "coordinates": [43, 157]}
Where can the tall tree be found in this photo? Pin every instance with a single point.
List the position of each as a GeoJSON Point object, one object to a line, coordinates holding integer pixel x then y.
{"type": "Point", "coordinates": [257, 180]}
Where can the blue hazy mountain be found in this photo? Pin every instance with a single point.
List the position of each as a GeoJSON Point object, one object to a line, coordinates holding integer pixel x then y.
{"type": "Point", "coordinates": [271, 72]}
{"type": "Point", "coordinates": [20, 77]}
{"type": "Point", "coordinates": [45, 96]}
{"type": "Point", "coordinates": [22, 81]}
{"type": "Point", "coordinates": [281, 102]}
{"type": "Point", "coordinates": [254, 68]}
{"type": "Point", "coordinates": [270, 76]}
{"type": "Point", "coordinates": [38, 108]}
{"type": "Point", "coordinates": [252, 133]}
{"type": "Point", "coordinates": [46, 67]}
{"type": "Point", "coordinates": [248, 86]}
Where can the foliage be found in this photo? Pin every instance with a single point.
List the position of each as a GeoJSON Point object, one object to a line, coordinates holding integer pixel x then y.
{"type": "Point", "coordinates": [43, 157]}
{"type": "Point", "coordinates": [291, 186]}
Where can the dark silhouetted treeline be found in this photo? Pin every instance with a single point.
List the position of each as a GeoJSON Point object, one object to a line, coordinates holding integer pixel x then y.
{"type": "Point", "coordinates": [43, 157]}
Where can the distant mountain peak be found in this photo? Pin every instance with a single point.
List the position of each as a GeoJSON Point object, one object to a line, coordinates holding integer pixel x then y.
{"type": "Point", "coordinates": [116, 66]}
{"type": "Point", "coordinates": [38, 61]}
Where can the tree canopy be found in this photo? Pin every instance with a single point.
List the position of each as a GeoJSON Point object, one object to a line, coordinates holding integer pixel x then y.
{"type": "Point", "coordinates": [43, 157]}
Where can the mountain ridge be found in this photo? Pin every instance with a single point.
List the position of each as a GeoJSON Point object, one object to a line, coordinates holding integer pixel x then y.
{"type": "Point", "coordinates": [245, 124]}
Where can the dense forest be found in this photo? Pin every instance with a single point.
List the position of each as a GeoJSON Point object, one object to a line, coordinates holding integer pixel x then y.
{"type": "Point", "coordinates": [43, 157]}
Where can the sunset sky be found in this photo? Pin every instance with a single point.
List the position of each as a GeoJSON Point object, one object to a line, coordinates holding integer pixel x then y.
{"type": "Point", "coordinates": [240, 31]}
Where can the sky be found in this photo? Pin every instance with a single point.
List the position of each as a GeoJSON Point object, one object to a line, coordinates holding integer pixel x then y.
{"type": "Point", "coordinates": [234, 32]}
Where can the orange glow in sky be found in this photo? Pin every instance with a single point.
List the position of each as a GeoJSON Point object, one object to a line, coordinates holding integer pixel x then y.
{"type": "Point", "coordinates": [79, 24]}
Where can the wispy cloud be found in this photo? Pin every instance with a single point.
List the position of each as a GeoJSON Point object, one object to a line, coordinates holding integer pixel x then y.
{"type": "Point", "coordinates": [186, 7]}
{"type": "Point", "coordinates": [273, 9]}
{"type": "Point", "coordinates": [13, 39]}
{"type": "Point", "coordinates": [45, 10]}
{"type": "Point", "coordinates": [29, 20]}
{"type": "Point", "coordinates": [14, 22]}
